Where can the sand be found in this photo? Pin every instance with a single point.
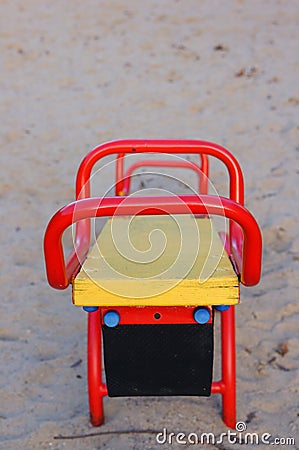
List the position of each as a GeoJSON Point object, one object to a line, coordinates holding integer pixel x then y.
{"type": "Point", "coordinates": [76, 74]}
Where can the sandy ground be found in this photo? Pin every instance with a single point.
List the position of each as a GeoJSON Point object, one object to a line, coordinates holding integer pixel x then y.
{"type": "Point", "coordinates": [75, 74]}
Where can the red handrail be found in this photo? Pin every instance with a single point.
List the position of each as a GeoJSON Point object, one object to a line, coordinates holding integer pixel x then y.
{"type": "Point", "coordinates": [160, 146]}
{"type": "Point", "coordinates": [60, 275]}
{"type": "Point", "coordinates": [121, 147]}
{"type": "Point", "coordinates": [182, 164]}
{"type": "Point", "coordinates": [119, 175]}
{"type": "Point", "coordinates": [122, 185]}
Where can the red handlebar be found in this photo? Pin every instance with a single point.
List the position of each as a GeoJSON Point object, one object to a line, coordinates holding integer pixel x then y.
{"type": "Point", "coordinates": [121, 147]}
{"type": "Point", "coordinates": [123, 181]}
{"type": "Point", "coordinates": [160, 146]}
{"type": "Point", "coordinates": [60, 275]}
{"type": "Point", "coordinates": [181, 163]}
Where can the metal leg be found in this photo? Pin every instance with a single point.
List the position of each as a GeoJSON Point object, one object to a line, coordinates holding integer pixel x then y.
{"type": "Point", "coordinates": [226, 387]}
{"type": "Point", "coordinates": [96, 388]}
{"type": "Point", "coordinates": [228, 367]}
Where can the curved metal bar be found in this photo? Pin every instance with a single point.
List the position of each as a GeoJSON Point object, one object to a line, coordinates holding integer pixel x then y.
{"type": "Point", "coordinates": [121, 147]}
{"type": "Point", "coordinates": [123, 181]}
{"type": "Point", "coordinates": [60, 274]}
{"type": "Point", "coordinates": [183, 164]}
{"type": "Point", "coordinates": [160, 146]}
{"type": "Point", "coordinates": [119, 176]}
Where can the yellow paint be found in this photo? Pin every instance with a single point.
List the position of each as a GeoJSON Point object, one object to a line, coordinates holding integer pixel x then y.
{"type": "Point", "coordinates": [156, 261]}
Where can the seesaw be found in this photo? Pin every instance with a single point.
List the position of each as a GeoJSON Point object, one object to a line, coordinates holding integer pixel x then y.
{"type": "Point", "coordinates": [154, 319]}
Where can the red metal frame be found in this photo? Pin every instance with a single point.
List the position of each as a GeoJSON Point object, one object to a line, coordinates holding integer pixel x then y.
{"type": "Point", "coordinates": [226, 387]}
{"type": "Point", "coordinates": [130, 315]}
{"type": "Point", "coordinates": [244, 244]}
{"type": "Point", "coordinates": [96, 388]}
{"type": "Point", "coordinates": [125, 180]}
{"type": "Point", "coordinates": [120, 148]}
{"type": "Point", "coordinates": [60, 274]}
{"type": "Point", "coordinates": [120, 177]}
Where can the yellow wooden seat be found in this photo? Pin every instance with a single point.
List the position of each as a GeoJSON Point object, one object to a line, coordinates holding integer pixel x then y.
{"type": "Point", "coordinates": [157, 261]}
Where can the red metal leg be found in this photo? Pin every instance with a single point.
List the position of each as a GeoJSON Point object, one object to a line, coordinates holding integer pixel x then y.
{"type": "Point", "coordinates": [96, 389]}
{"type": "Point", "coordinates": [228, 367]}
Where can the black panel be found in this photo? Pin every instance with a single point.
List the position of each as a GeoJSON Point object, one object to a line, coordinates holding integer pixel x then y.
{"type": "Point", "coordinates": [143, 360]}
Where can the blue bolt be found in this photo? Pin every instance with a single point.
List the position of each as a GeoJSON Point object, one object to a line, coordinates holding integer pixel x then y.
{"type": "Point", "coordinates": [222, 307]}
{"type": "Point", "coordinates": [111, 319]}
{"type": "Point", "coordinates": [202, 315]}
{"type": "Point", "coordinates": [90, 308]}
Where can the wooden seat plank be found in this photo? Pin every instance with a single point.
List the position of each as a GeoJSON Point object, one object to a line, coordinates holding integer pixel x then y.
{"type": "Point", "coordinates": [157, 261]}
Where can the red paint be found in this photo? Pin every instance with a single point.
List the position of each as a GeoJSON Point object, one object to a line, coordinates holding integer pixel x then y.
{"type": "Point", "coordinates": [121, 147]}
{"type": "Point", "coordinates": [125, 183]}
{"type": "Point", "coordinates": [119, 176]}
{"type": "Point", "coordinates": [60, 274]}
{"type": "Point", "coordinates": [132, 315]}
{"type": "Point", "coordinates": [228, 361]}
{"type": "Point", "coordinates": [161, 146]}
{"type": "Point", "coordinates": [96, 388]}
